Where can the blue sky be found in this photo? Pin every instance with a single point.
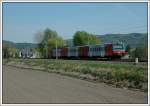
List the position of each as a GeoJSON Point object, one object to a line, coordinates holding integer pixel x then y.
{"type": "Point", "coordinates": [21, 21]}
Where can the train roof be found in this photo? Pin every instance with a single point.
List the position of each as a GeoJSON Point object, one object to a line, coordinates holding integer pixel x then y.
{"type": "Point", "coordinates": [84, 45]}
{"type": "Point", "coordinates": [88, 45]}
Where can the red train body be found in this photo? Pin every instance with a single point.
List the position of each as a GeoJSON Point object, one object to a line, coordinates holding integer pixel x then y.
{"type": "Point", "coordinates": [83, 51]}
{"type": "Point", "coordinates": [108, 50]}
{"type": "Point", "coordinates": [64, 52]}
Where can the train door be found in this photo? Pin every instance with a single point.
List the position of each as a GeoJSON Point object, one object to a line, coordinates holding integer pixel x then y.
{"type": "Point", "coordinates": [108, 50]}
{"type": "Point", "coordinates": [83, 51]}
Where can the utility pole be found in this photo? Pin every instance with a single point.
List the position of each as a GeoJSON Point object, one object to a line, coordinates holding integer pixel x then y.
{"type": "Point", "coordinates": [88, 39]}
{"type": "Point", "coordinates": [46, 49]}
{"type": "Point", "coordinates": [56, 50]}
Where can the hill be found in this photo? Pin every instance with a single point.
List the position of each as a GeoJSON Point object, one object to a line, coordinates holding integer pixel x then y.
{"type": "Point", "coordinates": [26, 45]}
{"type": "Point", "coordinates": [8, 43]}
{"type": "Point", "coordinates": [133, 39]}
{"type": "Point", "coordinates": [19, 45]}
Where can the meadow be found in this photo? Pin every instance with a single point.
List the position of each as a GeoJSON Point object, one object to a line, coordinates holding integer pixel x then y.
{"type": "Point", "coordinates": [123, 75]}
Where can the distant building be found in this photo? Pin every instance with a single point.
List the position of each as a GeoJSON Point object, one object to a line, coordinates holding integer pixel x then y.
{"type": "Point", "coordinates": [36, 54]}
{"type": "Point", "coordinates": [25, 53]}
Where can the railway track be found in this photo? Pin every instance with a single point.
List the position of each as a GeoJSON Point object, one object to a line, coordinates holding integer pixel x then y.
{"type": "Point", "coordinates": [108, 60]}
{"type": "Point", "coordinates": [101, 59]}
{"type": "Point", "coordinates": [128, 60]}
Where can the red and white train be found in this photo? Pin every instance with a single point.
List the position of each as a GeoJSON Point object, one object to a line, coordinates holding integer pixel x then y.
{"type": "Point", "coordinates": [108, 50]}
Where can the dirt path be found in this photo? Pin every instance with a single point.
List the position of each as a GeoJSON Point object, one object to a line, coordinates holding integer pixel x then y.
{"type": "Point", "coordinates": [30, 86]}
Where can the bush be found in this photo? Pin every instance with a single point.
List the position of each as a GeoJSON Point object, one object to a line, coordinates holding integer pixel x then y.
{"type": "Point", "coordinates": [141, 52]}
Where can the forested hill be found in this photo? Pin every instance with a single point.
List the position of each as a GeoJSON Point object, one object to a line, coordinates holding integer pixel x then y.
{"type": "Point", "coordinates": [133, 39]}
{"type": "Point", "coordinates": [8, 44]}
{"type": "Point", "coordinates": [19, 45]}
{"type": "Point", "coordinates": [26, 45]}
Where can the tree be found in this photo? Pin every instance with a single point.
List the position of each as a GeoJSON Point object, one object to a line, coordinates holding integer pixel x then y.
{"type": "Point", "coordinates": [49, 41]}
{"type": "Point", "coordinates": [84, 38]}
{"type": "Point", "coordinates": [93, 39]}
{"type": "Point", "coordinates": [141, 51]}
{"type": "Point", "coordinates": [52, 42]}
{"type": "Point", "coordinates": [9, 52]}
{"type": "Point", "coordinates": [12, 52]}
{"type": "Point", "coordinates": [55, 43]}
{"type": "Point", "coordinates": [5, 52]}
{"type": "Point", "coordinates": [39, 37]}
{"type": "Point", "coordinates": [48, 34]}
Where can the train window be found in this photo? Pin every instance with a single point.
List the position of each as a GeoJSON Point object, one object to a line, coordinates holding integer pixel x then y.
{"type": "Point", "coordinates": [117, 47]}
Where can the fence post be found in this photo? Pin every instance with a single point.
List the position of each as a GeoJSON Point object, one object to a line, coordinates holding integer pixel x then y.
{"type": "Point", "coordinates": [136, 60]}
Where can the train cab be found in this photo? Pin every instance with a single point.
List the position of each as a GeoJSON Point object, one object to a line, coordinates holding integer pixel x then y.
{"type": "Point", "coordinates": [118, 50]}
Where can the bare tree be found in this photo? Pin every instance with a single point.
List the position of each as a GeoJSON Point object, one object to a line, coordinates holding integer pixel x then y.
{"type": "Point", "coordinates": [38, 37]}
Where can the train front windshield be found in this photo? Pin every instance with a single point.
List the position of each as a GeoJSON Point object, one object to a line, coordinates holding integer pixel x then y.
{"type": "Point", "coordinates": [118, 47]}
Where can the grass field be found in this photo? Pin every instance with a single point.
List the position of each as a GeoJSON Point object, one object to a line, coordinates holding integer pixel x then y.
{"type": "Point", "coordinates": [117, 74]}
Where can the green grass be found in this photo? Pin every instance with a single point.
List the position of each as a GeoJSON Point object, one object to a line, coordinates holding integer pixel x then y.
{"type": "Point", "coordinates": [119, 74]}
